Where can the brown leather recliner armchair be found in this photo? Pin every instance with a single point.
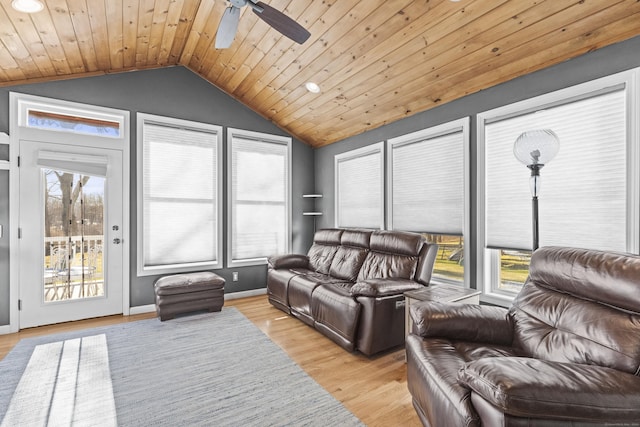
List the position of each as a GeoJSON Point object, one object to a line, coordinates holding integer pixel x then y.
{"type": "Point", "coordinates": [567, 352]}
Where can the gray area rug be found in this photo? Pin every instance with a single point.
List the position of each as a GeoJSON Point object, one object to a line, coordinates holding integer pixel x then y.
{"type": "Point", "coordinates": [213, 369]}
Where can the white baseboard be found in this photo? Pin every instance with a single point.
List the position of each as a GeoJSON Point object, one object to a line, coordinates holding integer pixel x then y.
{"type": "Point", "coordinates": [245, 294]}
{"type": "Point", "coordinates": [141, 309]}
{"type": "Point", "coordinates": [6, 329]}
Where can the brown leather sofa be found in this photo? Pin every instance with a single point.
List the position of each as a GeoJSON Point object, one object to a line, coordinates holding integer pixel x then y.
{"type": "Point", "coordinates": [350, 285]}
{"type": "Point", "coordinates": [567, 352]}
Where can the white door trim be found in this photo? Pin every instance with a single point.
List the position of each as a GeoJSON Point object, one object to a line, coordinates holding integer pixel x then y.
{"type": "Point", "coordinates": [17, 132]}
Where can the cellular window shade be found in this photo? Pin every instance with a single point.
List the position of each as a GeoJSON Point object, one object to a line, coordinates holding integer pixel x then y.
{"type": "Point", "coordinates": [259, 198]}
{"type": "Point", "coordinates": [87, 164]}
{"type": "Point", "coordinates": [427, 187]}
{"type": "Point", "coordinates": [179, 196]}
{"type": "Point", "coordinates": [583, 195]}
{"type": "Point", "coordinates": [360, 197]}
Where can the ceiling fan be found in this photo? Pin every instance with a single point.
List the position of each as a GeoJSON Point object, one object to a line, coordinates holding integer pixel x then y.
{"type": "Point", "coordinates": [278, 20]}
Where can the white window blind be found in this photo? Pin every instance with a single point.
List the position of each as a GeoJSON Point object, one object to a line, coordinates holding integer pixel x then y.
{"type": "Point", "coordinates": [73, 162]}
{"type": "Point", "coordinates": [428, 180]}
{"type": "Point", "coordinates": [259, 197]}
{"type": "Point", "coordinates": [359, 188]}
{"type": "Point", "coordinates": [584, 189]}
{"type": "Point", "coordinates": [180, 196]}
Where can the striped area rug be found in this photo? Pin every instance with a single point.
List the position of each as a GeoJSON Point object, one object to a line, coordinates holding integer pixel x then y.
{"type": "Point", "coordinates": [213, 369]}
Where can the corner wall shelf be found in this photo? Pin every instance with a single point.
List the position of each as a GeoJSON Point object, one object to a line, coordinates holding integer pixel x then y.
{"type": "Point", "coordinates": [313, 213]}
{"type": "Point", "coordinates": [5, 162]}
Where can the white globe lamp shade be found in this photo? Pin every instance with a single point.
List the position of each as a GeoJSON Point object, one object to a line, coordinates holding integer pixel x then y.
{"type": "Point", "coordinates": [536, 147]}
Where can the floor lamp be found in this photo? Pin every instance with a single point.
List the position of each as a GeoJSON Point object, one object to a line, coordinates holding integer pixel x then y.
{"type": "Point", "coordinates": [536, 148]}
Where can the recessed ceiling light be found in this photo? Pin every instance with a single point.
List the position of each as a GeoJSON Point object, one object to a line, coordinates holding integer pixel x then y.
{"type": "Point", "coordinates": [312, 87]}
{"type": "Point", "coordinates": [27, 6]}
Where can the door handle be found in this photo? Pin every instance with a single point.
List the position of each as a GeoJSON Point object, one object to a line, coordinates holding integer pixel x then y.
{"type": "Point", "coordinates": [116, 241]}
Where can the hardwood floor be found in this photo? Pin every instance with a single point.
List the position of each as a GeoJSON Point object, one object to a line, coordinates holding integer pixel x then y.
{"type": "Point", "coordinates": [374, 389]}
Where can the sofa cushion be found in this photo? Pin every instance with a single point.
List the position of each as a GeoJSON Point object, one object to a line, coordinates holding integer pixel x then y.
{"type": "Point", "coordinates": [608, 277]}
{"type": "Point", "coordinates": [328, 236]}
{"type": "Point", "coordinates": [527, 387]}
{"type": "Point", "coordinates": [396, 242]}
{"type": "Point", "coordinates": [383, 287]}
{"type": "Point", "coordinates": [336, 313]}
{"type": "Point", "coordinates": [299, 293]}
{"type": "Point", "coordinates": [288, 261]}
{"type": "Point", "coordinates": [386, 265]}
{"type": "Point", "coordinates": [468, 322]}
{"type": "Point", "coordinates": [347, 262]}
{"type": "Point", "coordinates": [325, 245]}
{"type": "Point", "coordinates": [356, 238]}
{"type": "Point", "coordinates": [427, 259]}
{"type": "Point", "coordinates": [432, 372]}
{"type": "Point", "coordinates": [321, 256]}
{"type": "Point", "coordinates": [556, 326]}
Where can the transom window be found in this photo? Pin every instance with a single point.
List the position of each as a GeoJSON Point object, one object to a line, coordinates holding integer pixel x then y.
{"type": "Point", "coordinates": [71, 123]}
{"type": "Point", "coordinates": [62, 116]}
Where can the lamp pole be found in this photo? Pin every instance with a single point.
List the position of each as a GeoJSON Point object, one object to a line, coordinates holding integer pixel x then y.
{"type": "Point", "coordinates": [535, 177]}
{"type": "Point", "coordinates": [534, 149]}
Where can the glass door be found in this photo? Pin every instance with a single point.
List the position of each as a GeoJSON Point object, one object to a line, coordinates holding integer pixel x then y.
{"type": "Point", "coordinates": [73, 251]}
{"type": "Point", "coordinates": [70, 244]}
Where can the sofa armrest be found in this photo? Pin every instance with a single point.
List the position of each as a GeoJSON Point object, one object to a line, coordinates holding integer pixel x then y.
{"type": "Point", "coordinates": [288, 261]}
{"type": "Point", "coordinates": [383, 287]}
{"type": "Point", "coordinates": [526, 387]}
{"type": "Point", "coordinates": [465, 322]}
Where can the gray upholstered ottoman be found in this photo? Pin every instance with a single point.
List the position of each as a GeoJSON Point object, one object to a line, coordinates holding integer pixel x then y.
{"type": "Point", "coordinates": [183, 293]}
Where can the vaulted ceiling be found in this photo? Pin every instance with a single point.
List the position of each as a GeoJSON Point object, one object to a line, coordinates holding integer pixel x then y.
{"type": "Point", "coordinates": [376, 61]}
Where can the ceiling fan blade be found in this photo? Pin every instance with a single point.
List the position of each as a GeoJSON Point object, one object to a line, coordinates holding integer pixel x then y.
{"type": "Point", "coordinates": [228, 27]}
{"type": "Point", "coordinates": [281, 22]}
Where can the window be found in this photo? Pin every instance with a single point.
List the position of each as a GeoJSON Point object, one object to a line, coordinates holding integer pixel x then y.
{"type": "Point", "coordinates": [54, 115]}
{"type": "Point", "coordinates": [359, 180]}
{"type": "Point", "coordinates": [70, 123]}
{"type": "Point", "coordinates": [179, 190]}
{"type": "Point", "coordinates": [589, 191]}
{"type": "Point", "coordinates": [259, 194]}
{"type": "Point", "coordinates": [427, 191]}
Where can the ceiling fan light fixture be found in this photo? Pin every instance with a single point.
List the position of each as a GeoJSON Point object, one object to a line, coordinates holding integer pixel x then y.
{"type": "Point", "coordinates": [27, 6]}
{"type": "Point", "coordinates": [312, 87]}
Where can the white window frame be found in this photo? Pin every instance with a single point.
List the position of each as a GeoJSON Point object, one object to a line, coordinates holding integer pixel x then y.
{"type": "Point", "coordinates": [71, 109]}
{"type": "Point", "coordinates": [488, 263]}
{"type": "Point", "coordinates": [143, 270]}
{"type": "Point", "coordinates": [268, 138]}
{"type": "Point", "coordinates": [354, 154]}
{"type": "Point", "coordinates": [463, 125]}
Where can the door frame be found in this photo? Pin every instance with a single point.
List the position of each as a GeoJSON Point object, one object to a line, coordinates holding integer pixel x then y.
{"type": "Point", "coordinates": [18, 103]}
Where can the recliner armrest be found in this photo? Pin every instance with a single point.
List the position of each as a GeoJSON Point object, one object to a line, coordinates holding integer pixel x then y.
{"type": "Point", "coordinates": [464, 322]}
{"type": "Point", "coordinates": [526, 387]}
{"type": "Point", "coordinates": [288, 261]}
{"type": "Point", "coordinates": [383, 287]}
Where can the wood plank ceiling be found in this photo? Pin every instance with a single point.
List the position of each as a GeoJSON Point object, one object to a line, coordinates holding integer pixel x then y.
{"type": "Point", "coordinates": [376, 61]}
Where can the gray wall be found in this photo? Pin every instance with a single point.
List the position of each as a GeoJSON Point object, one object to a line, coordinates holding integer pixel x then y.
{"type": "Point", "coordinates": [173, 92]}
{"type": "Point", "coordinates": [602, 62]}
